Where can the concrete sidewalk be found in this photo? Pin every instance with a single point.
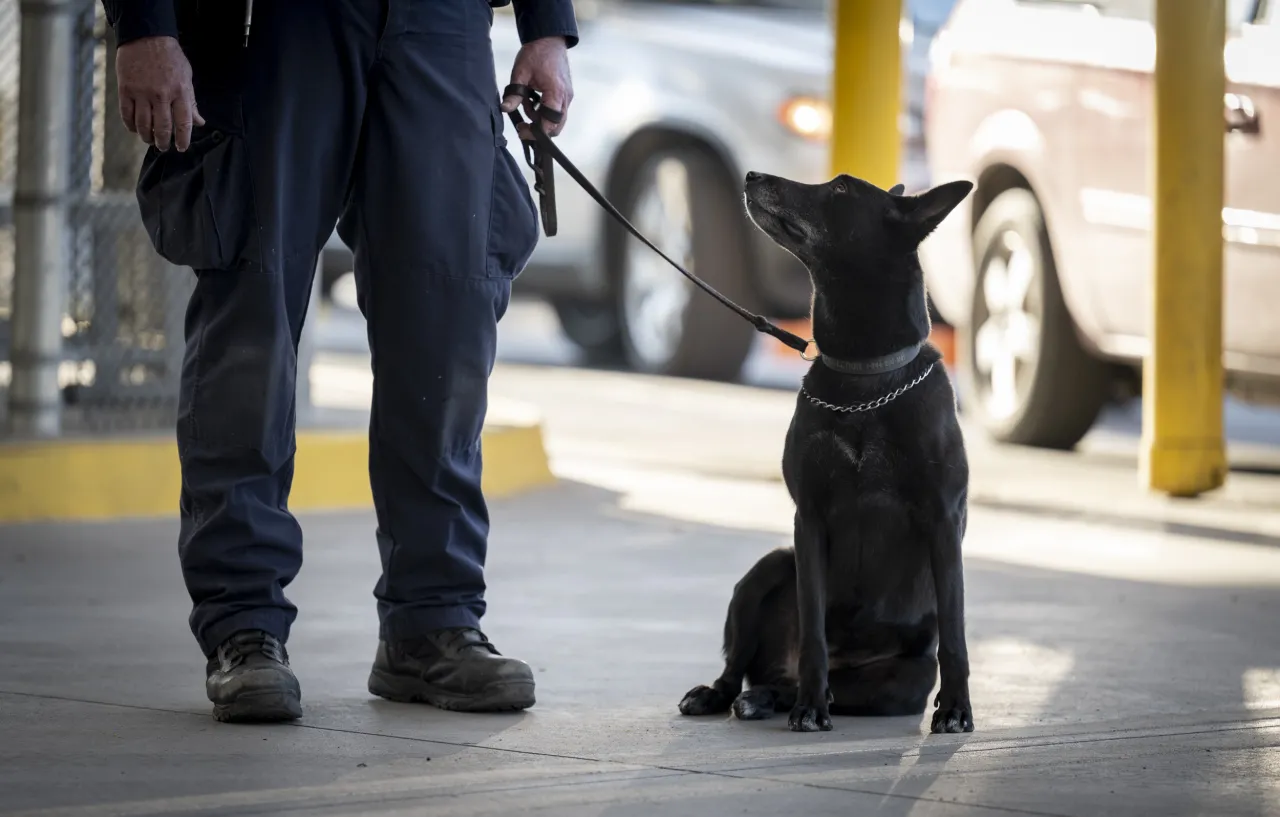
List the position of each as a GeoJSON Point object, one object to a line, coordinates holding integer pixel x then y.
{"type": "Point", "coordinates": [1115, 671]}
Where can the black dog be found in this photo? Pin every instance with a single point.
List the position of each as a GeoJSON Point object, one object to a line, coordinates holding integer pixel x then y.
{"type": "Point", "coordinates": [860, 616]}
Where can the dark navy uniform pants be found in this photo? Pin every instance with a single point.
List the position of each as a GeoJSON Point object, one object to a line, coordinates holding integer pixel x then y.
{"type": "Point", "coordinates": [382, 116]}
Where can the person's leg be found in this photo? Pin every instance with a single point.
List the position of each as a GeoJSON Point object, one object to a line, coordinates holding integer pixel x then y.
{"type": "Point", "coordinates": [248, 207]}
{"type": "Point", "coordinates": [441, 221]}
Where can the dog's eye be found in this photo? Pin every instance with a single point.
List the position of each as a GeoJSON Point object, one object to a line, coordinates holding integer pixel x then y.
{"type": "Point", "coordinates": [840, 188]}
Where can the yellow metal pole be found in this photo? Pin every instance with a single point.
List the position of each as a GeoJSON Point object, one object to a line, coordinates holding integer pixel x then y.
{"type": "Point", "coordinates": [866, 90]}
{"type": "Point", "coordinates": [1184, 453]}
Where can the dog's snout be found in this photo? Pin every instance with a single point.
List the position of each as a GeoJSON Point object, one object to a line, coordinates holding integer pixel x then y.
{"type": "Point", "coordinates": [753, 176]}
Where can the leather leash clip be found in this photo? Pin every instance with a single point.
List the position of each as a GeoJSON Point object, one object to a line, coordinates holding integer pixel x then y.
{"type": "Point", "coordinates": [538, 158]}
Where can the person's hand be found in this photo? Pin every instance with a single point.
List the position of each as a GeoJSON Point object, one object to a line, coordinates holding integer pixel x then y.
{"type": "Point", "coordinates": [157, 101]}
{"type": "Point", "coordinates": [543, 65]}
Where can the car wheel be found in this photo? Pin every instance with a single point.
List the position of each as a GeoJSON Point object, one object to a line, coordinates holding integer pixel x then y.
{"type": "Point", "coordinates": [592, 327]}
{"type": "Point", "coordinates": [681, 200]}
{"type": "Point", "coordinates": [1029, 379]}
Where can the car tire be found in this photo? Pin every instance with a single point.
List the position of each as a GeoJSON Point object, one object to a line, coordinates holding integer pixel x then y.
{"type": "Point", "coordinates": [593, 328]}
{"type": "Point", "coordinates": [668, 326]}
{"type": "Point", "coordinates": [1027, 376]}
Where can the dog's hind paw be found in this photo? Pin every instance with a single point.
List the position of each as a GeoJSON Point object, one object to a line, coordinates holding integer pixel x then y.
{"type": "Point", "coordinates": [704, 700]}
{"type": "Point", "coordinates": [809, 719]}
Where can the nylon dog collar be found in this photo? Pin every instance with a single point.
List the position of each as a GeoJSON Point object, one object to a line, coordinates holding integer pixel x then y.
{"type": "Point", "coordinates": [874, 365]}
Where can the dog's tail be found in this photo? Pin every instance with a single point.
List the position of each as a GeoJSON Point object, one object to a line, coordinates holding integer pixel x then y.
{"type": "Point", "coordinates": [742, 625]}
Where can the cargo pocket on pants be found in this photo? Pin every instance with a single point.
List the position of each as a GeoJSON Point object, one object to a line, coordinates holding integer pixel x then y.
{"type": "Point", "coordinates": [513, 216]}
{"type": "Point", "coordinates": [197, 206]}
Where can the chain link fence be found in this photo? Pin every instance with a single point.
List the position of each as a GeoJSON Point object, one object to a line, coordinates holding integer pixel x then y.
{"type": "Point", "coordinates": [122, 324]}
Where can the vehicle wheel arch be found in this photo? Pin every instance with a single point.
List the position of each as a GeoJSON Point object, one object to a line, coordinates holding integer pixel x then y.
{"type": "Point", "coordinates": [643, 142]}
{"type": "Point", "coordinates": [713, 343]}
{"type": "Point", "coordinates": [664, 134]}
{"type": "Point", "coordinates": [1058, 400]}
{"type": "Point", "coordinates": [999, 177]}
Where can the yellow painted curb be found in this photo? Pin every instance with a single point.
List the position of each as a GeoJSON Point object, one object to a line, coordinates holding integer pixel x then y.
{"type": "Point", "coordinates": [95, 479]}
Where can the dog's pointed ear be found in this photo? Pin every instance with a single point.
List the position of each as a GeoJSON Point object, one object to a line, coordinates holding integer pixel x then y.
{"type": "Point", "coordinates": [921, 214]}
{"type": "Point", "coordinates": [897, 190]}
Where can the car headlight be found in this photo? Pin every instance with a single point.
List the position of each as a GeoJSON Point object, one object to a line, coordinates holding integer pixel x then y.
{"type": "Point", "coordinates": [807, 117]}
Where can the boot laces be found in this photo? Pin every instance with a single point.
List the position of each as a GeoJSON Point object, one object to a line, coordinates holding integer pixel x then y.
{"type": "Point", "coordinates": [244, 645]}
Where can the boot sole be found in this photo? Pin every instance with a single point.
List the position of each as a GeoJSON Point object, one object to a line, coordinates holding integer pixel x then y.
{"type": "Point", "coordinates": [270, 706]}
{"type": "Point", "coordinates": [508, 696]}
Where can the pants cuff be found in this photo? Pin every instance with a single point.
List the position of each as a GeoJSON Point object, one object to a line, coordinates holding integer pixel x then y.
{"type": "Point", "coordinates": [414, 622]}
{"type": "Point", "coordinates": [270, 620]}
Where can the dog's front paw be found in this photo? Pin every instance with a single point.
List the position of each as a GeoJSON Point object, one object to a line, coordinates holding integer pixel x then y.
{"type": "Point", "coordinates": [704, 700]}
{"type": "Point", "coordinates": [754, 705]}
{"type": "Point", "coordinates": [954, 714]}
{"type": "Point", "coordinates": [810, 719]}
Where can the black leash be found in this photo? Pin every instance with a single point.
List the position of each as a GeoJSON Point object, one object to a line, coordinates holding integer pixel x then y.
{"type": "Point", "coordinates": [540, 154]}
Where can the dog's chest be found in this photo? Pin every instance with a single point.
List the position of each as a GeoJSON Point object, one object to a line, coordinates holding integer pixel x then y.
{"type": "Point", "coordinates": [849, 461]}
{"type": "Point", "coordinates": [861, 455]}
{"type": "Point", "coordinates": [862, 486]}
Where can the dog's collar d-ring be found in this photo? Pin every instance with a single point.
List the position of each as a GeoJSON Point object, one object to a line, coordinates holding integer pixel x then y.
{"type": "Point", "coordinates": [874, 365]}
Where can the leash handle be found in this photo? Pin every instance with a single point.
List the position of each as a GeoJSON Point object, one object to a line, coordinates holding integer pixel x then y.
{"type": "Point", "coordinates": [543, 168]}
{"type": "Point", "coordinates": [542, 149]}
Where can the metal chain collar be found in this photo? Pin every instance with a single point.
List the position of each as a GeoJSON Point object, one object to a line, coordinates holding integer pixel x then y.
{"type": "Point", "coordinates": [874, 404]}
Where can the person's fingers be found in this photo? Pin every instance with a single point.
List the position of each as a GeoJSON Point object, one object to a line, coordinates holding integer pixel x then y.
{"type": "Point", "coordinates": [127, 108]}
{"type": "Point", "coordinates": [142, 121]}
{"type": "Point", "coordinates": [557, 99]}
{"type": "Point", "coordinates": [182, 115]}
{"type": "Point", "coordinates": [552, 120]}
{"type": "Point", "coordinates": [195, 113]}
{"type": "Point", "coordinates": [510, 102]}
{"type": "Point", "coordinates": [520, 75]}
{"type": "Point", "coordinates": [162, 125]}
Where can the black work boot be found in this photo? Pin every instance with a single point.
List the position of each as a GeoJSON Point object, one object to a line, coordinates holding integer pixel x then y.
{"type": "Point", "coordinates": [454, 669]}
{"type": "Point", "coordinates": [249, 680]}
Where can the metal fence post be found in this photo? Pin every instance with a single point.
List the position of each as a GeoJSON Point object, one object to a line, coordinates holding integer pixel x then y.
{"type": "Point", "coordinates": [121, 153]}
{"type": "Point", "coordinates": [40, 216]}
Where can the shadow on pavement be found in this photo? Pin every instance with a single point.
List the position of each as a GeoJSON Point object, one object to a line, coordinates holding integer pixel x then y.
{"type": "Point", "coordinates": [1165, 694]}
